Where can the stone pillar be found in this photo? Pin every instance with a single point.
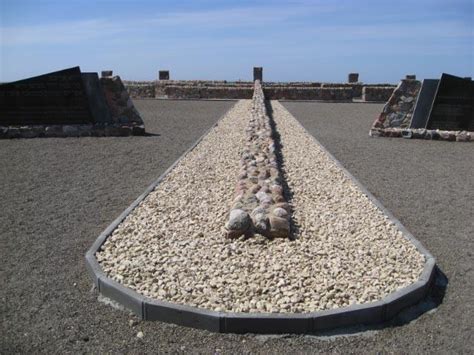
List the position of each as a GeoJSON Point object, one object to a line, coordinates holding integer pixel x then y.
{"type": "Point", "coordinates": [353, 77]}
{"type": "Point", "coordinates": [164, 75]}
{"type": "Point", "coordinates": [258, 73]}
{"type": "Point", "coordinates": [106, 73]}
{"type": "Point", "coordinates": [410, 77]}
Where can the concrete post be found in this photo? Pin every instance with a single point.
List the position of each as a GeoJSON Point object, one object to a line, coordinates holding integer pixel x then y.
{"type": "Point", "coordinates": [164, 75]}
{"type": "Point", "coordinates": [258, 73]}
{"type": "Point", "coordinates": [353, 77]}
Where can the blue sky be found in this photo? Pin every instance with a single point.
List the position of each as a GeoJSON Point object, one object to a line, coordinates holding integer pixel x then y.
{"type": "Point", "coordinates": [292, 40]}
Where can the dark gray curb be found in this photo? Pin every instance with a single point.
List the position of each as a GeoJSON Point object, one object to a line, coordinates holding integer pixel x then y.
{"type": "Point", "coordinates": [270, 323]}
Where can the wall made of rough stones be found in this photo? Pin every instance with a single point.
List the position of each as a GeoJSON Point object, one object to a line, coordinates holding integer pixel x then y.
{"type": "Point", "coordinates": [306, 84]}
{"type": "Point", "coordinates": [356, 87]}
{"type": "Point", "coordinates": [308, 93]}
{"type": "Point", "coordinates": [422, 133]}
{"type": "Point", "coordinates": [377, 93]}
{"type": "Point", "coordinates": [211, 92]}
{"type": "Point", "coordinates": [222, 89]}
{"type": "Point", "coordinates": [73, 130]}
{"type": "Point", "coordinates": [399, 108]}
{"type": "Point", "coordinates": [138, 89]}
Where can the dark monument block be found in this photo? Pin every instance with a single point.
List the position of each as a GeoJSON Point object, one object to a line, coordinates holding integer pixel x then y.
{"type": "Point", "coordinates": [452, 108]}
{"type": "Point", "coordinates": [164, 75]}
{"type": "Point", "coordinates": [55, 98]}
{"type": "Point", "coordinates": [410, 77]}
{"type": "Point", "coordinates": [423, 103]}
{"type": "Point", "coordinates": [95, 94]}
{"type": "Point", "coordinates": [258, 73]}
{"type": "Point", "coordinates": [353, 77]}
{"type": "Point", "coordinates": [67, 103]}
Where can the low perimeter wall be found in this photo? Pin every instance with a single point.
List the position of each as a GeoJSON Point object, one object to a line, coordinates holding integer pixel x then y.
{"type": "Point", "coordinates": [194, 89]}
{"type": "Point", "coordinates": [137, 89]}
{"type": "Point", "coordinates": [377, 93]}
{"type": "Point", "coordinates": [205, 92]}
{"type": "Point", "coordinates": [307, 93]}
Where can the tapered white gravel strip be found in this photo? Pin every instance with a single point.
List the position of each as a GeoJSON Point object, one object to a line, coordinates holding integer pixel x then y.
{"type": "Point", "coordinates": [171, 247]}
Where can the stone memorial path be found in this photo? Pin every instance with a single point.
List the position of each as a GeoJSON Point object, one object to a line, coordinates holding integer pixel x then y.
{"type": "Point", "coordinates": [346, 251]}
{"type": "Point", "coordinates": [259, 205]}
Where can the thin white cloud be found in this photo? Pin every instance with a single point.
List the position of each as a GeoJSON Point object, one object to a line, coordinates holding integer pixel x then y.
{"type": "Point", "coordinates": [389, 31]}
{"type": "Point", "coordinates": [77, 31]}
{"type": "Point", "coordinates": [57, 33]}
{"type": "Point", "coordinates": [278, 22]}
{"type": "Point", "coordinates": [242, 16]}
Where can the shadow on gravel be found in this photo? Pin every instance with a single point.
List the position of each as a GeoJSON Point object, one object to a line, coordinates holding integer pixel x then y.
{"type": "Point", "coordinates": [432, 301]}
{"type": "Point", "coordinates": [428, 305]}
{"type": "Point", "coordinates": [149, 134]}
{"type": "Point", "coordinates": [294, 227]}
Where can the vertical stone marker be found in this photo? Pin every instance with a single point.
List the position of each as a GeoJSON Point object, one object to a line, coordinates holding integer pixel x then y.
{"type": "Point", "coordinates": [258, 73]}
{"type": "Point", "coordinates": [106, 73]}
{"type": "Point", "coordinates": [353, 77]}
{"type": "Point", "coordinates": [423, 103]}
{"type": "Point", "coordinates": [164, 75]}
{"type": "Point", "coordinates": [97, 102]}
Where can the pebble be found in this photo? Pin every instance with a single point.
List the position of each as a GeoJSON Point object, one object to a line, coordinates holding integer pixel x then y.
{"type": "Point", "coordinates": [280, 212]}
{"type": "Point", "coordinates": [238, 220]}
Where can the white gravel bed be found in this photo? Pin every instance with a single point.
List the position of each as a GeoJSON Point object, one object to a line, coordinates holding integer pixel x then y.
{"type": "Point", "coordinates": [172, 247]}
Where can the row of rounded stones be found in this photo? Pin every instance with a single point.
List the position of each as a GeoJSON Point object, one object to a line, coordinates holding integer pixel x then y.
{"type": "Point", "coordinates": [423, 133]}
{"type": "Point", "coordinates": [259, 205]}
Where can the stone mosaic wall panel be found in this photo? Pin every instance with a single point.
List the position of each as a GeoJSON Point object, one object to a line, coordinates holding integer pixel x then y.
{"type": "Point", "coordinates": [398, 111]}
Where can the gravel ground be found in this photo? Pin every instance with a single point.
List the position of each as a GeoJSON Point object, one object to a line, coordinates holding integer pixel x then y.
{"type": "Point", "coordinates": [429, 187]}
{"type": "Point", "coordinates": [173, 249]}
{"type": "Point", "coordinates": [45, 229]}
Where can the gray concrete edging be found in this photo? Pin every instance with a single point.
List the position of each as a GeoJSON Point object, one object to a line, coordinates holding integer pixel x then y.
{"type": "Point", "coordinates": [268, 323]}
